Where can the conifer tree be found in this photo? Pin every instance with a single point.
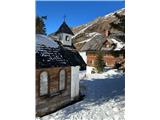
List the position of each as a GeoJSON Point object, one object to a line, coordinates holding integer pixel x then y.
{"type": "Point", "coordinates": [99, 64]}
{"type": "Point", "coordinates": [40, 25]}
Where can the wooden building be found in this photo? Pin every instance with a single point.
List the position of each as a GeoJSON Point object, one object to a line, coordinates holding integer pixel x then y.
{"type": "Point", "coordinates": [109, 58]}
{"type": "Point", "coordinates": [57, 71]}
{"type": "Point", "coordinates": [112, 49]}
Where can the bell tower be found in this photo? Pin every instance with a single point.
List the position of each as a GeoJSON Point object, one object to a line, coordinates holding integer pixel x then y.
{"type": "Point", "coordinates": [65, 34]}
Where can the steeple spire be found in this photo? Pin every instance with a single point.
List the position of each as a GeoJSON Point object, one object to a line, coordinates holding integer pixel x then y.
{"type": "Point", "coordinates": [64, 28]}
{"type": "Point", "coordinates": [64, 18]}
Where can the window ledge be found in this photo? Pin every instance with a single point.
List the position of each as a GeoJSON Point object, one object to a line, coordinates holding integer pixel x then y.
{"type": "Point", "coordinates": [55, 94]}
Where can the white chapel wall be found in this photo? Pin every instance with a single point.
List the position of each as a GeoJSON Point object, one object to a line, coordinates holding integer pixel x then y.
{"type": "Point", "coordinates": [74, 81]}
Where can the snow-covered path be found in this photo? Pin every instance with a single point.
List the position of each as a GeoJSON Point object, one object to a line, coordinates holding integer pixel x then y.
{"type": "Point", "coordinates": [104, 99]}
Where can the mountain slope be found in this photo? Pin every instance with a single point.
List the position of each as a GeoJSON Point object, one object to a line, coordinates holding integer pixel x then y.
{"type": "Point", "coordinates": [92, 35]}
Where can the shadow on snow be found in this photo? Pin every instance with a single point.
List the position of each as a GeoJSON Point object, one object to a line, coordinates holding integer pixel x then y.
{"type": "Point", "coordinates": [97, 92]}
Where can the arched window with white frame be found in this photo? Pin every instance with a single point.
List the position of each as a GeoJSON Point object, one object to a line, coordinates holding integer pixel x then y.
{"type": "Point", "coordinates": [62, 78]}
{"type": "Point", "coordinates": [43, 83]}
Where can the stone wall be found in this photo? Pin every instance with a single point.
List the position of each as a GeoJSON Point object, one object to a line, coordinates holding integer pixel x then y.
{"type": "Point", "coordinates": [55, 98]}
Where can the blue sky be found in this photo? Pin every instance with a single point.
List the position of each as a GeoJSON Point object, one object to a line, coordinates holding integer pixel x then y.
{"type": "Point", "coordinates": [77, 12]}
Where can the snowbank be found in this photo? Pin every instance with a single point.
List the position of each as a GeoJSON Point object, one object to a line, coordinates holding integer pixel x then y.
{"type": "Point", "coordinates": [82, 74]}
{"type": "Point", "coordinates": [104, 99]}
{"type": "Point", "coordinates": [89, 69]}
{"type": "Point", "coordinates": [109, 74]}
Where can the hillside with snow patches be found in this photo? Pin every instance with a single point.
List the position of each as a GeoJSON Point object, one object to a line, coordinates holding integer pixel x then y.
{"type": "Point", "coordinates": [91, 36]}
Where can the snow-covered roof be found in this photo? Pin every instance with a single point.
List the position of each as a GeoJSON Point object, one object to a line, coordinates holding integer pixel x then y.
{"type": "Point", "coordinates": [45, 41]}
{"type": "Point", "coordinates": [119, 45]}
{"type": "Point", "coordinates": [51, 53]}
{"type": "Point", "coordinates": [94, 43]}
{"type": "Point", "coordinates": [48, 52]}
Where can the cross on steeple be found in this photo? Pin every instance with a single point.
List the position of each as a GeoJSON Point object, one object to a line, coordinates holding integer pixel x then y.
{"type": "Point", "coordinates": [64, 18]}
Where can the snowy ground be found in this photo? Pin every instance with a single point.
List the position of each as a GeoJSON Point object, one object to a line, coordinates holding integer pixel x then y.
{"type": "Point", "coordinates": [104, 99]}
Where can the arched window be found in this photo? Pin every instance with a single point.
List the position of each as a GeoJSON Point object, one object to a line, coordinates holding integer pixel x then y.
{"type": "Point", "coordinates": [43, 83]}
{"type": "Point", "coordinates": [62, 80]}
{"type": "Point", "coordinates": [67, 38]}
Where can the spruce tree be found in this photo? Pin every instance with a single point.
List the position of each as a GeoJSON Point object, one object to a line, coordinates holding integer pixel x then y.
{"type": "Point", "coordinates": [99, 64]}
{"type": "Point", "coordinates": [40, 26]}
